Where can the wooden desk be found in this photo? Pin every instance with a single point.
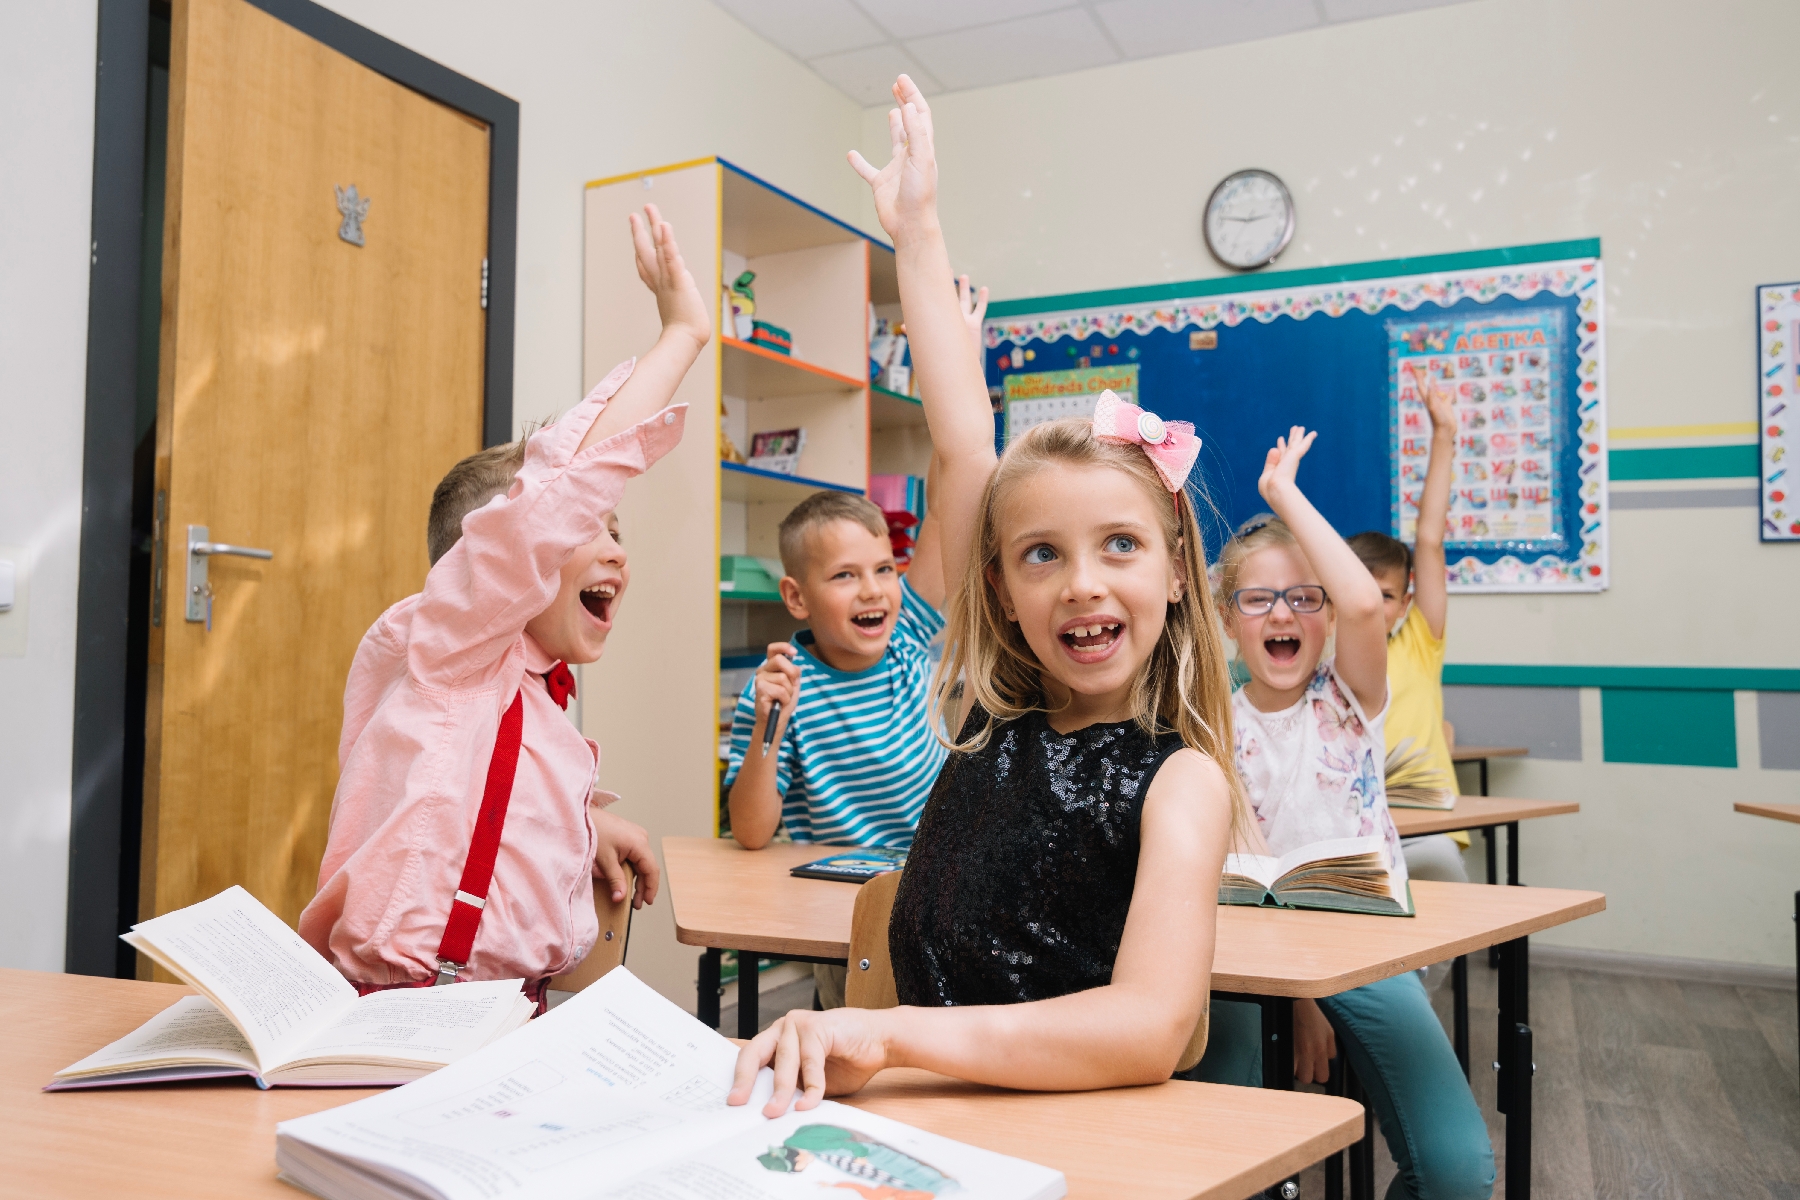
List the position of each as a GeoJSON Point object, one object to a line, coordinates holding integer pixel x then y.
{"type": "Point", "coordinates": [1480, 755]}
{"type": "Point", "coordinates": [197, 1141]}
{"type": "Point", "coordinates": [724, 897]}
{"type": "Point", "coordinates": [1780, 812]}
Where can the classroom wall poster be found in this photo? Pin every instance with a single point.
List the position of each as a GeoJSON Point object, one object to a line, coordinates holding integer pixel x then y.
{"type": "Point", "coordinates": [1051, 395]}
{"type": "Point", "coordinates": [1529, 506]}
{"type": "Point", "coordinates": [1778, 381]}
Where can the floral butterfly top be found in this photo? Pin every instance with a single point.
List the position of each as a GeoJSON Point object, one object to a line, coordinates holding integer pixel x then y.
{"type": "Point", "coordinates": [1314, 771]}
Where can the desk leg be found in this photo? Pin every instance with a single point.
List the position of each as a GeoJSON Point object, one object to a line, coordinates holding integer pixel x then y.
{"type": "Point", "coordinates": [1512, 1092]}
{"type": "Point", "coordinates": [1334, 1166]}
{"type": "Point", "coordinates": [1278, 1065]}
{"type": "Point", "coordinates": [749, 984]}
{"type": "Point", "coordinates": [1362, 1154]}
{"type": "Point", "coordinates": [1797, 937]}
{"type": "Point", "coordinates": [706, 1002]}
{"type": "Point", "coordinates": [1490, 838]}
{"type": "Point", "coordinates": [1459, 1010]}
{"type": "Point", "coordinates": [1512, 854]}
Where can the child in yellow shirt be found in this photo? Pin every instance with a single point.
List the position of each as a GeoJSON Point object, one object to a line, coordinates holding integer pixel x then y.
{"type": "Point", "coordinates": [1415, 598]}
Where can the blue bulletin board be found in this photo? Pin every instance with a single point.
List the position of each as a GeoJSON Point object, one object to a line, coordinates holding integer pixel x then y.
{"type": "Point", "coordinates": [1516, 334]}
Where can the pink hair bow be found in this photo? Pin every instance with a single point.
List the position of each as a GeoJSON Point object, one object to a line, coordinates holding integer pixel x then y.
{"type": "Point", "coordinates": [1171, 445]}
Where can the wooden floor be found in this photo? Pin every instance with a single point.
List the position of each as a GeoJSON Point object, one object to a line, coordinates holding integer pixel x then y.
{"type": "Point", "coordinates": [1645, 1087]}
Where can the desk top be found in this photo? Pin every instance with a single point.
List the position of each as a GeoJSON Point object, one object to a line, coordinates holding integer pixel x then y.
{"type": "Point", "coordinates": [1288, 952]}
{"type": "Point", "coordinates": [1779, 812]}
{"type": "Point", "coordinates": [1475, 812]}
{"type": "Point", "coordinates": [736, 899]}
{"type": "Point", "coordinates": [733, 898]}
{"type": "Point", "coordinates": [217, 1139]}
{"type": "Point", "coordinates": [1477, 753]}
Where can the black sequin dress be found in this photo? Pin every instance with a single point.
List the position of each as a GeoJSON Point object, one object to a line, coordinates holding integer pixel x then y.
{"type": "Point", "coordinates": [1020, 877]}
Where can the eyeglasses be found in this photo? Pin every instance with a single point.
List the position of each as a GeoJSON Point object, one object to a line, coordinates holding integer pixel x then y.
{"type": "Point", "coordinates": [1260, 602]}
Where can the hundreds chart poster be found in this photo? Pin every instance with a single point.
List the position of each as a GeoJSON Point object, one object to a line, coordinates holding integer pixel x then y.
{"type": "Point", "coordinates": [1778, 382]}
{"type": "Point", "coordinates": [1504, 376]}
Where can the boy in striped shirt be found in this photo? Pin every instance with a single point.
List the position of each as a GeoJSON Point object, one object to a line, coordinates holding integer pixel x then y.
{"type": "Point", "coordinates": [854, 756]}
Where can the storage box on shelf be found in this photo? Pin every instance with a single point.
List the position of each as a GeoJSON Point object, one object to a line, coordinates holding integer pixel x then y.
{"type": "Point", "coordinates": [654, 701]}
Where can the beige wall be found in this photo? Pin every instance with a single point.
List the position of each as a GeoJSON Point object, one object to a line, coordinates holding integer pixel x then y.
{"type": "Point", "coordinates": [1670, 131]}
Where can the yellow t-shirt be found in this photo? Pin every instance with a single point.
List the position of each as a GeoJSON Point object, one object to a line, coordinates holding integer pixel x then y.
{"type": "Point", "coordinates": [1418, 757]}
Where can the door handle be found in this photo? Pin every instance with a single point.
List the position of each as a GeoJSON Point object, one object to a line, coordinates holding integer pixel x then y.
{"type": "Point", "coordinates": [199, 591]}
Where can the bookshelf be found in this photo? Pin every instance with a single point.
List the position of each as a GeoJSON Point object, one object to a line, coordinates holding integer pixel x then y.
{"type": "Point", "coordinates": [653, 702]}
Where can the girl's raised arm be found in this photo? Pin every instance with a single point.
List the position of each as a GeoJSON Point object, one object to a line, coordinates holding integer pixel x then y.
{"type": "Point", "coordinates": [1430, 590]}
{"type": "Point", "coordinates": [950, 379]}
{"type": "Point", "coordinates": [1355, 596]}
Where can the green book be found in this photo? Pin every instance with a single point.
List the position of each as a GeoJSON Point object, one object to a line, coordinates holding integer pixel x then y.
{"type": "Point", "coordinates": [1346, 874]}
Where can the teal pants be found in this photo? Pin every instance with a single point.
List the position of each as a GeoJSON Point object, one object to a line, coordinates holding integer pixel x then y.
{"type": "Point", "coordinates": [1408, 1071]}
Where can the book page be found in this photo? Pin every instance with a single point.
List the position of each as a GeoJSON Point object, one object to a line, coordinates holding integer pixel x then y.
{"type": "Point", "coordinates": [1260, 867]}
{"type": "Point", "coordinates": [1314, 852]}
{"type": "Point", "coordinates": [614, 1081]}
{"type": "Point", "coordinates": [274, 986]}
{"type": "Point", "coordinates": [417, 1025]}
{"type": "Point", "coordinates": [190, 1030]}
{"type": "Point", "coordinates": [835, 1150]}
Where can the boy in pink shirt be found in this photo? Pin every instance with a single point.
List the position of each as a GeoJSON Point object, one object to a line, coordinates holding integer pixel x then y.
{"type": "Point", "coordinates": [533, 583]}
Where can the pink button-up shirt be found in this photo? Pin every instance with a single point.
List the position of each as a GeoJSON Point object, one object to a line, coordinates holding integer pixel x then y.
{"type": "Point", "coordinates": [422, 709]}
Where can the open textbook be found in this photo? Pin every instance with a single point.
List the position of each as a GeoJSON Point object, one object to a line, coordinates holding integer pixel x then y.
{"type": "Point", "coordinates": [1351, 874]}
{"type": "Point", "coordinates": [617, 1093]}
{"type": "Point", "coordinates": [270, 1007]}
{"type": "Point", "coordinates": [1414, 782]}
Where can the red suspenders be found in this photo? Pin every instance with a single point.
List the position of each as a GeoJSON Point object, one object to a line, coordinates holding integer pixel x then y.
{"type": "Point", "coordinates": [478, 869]}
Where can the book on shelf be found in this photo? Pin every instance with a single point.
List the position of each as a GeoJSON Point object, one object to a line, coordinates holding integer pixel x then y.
{"type": "Point", "coordinates": [1347, 874]}
{"type": "Point", "coordinates": [777, 450]}
{"type": "Point", "coordinates": [619, 1093]}
{"type": "Point", "coordinates": [852, 866]}
{"type": "Point", "coordinates": [272, 1008]}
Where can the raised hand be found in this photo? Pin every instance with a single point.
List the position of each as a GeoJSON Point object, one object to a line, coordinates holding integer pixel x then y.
{"type": "Point", "coordinates": [661, 267]}
{"type": "Point", "coordinates": [1283, 462]}
{"type": "Point", "coordinates": [1438, 401]}
{"type": "Point", "coordinates": [974, 309]}
{"type": "Point", "coordinates": [906, 189]}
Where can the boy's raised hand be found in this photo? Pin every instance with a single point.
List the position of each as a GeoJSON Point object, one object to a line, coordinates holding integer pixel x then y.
{"type": "Point", "coordinates": [1283, 462]}
{"type": "Point", "coordinates": [906, 189]}
{"type": "Point", "coordinates": [660, 266]}
{"type": "Point", "coordinates": [778, 679]}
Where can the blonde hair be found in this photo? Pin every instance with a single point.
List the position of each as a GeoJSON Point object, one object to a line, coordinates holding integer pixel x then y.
{"type": "Point", "coordinates": [469, 485]}
{"type": "Point", "coordinates": [812, 514]}
{"type": "Point", "coordinates": [1182, 688]}
{"type": "Point", "coordinates": [1253, 535]}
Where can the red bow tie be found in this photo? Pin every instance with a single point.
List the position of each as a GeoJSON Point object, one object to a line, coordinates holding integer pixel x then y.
{"type": "Point", "coordinates": [559, 681]}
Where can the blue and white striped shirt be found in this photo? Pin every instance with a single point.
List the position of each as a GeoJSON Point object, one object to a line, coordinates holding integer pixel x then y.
{"type": "Point", "coordinates": [858, 757]}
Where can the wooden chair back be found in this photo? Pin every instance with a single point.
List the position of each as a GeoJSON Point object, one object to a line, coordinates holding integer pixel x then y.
{"type": "Point", "coordinates": [871, 980]}
{"type": "Point", "coordinates": [609, 946]}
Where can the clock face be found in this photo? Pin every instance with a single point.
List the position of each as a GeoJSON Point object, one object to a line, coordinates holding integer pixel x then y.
{"type": "Point", "coordinates": [1249, 219]}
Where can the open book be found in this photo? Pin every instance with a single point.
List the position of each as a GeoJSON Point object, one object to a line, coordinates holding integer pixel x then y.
{"type": "Point", "coordinates": [270, 1007]}
{"type": "Point", "coordinates": [618, 1093]}
{"type": "Point", "coordinates": [1351, 874]}
{"type": "Point", "coordinates": [1412, 781]}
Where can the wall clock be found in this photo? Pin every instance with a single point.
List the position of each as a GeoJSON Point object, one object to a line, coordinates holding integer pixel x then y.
{"type": "Point", "coordinates": [1249, 219]}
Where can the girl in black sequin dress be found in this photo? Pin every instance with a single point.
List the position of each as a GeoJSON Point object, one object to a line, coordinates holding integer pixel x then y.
{"type": "Point", "coordinates": [1054, 925]}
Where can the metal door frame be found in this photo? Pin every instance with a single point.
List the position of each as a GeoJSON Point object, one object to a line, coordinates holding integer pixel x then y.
{"type": "Point", "coordinates": [102, 608]}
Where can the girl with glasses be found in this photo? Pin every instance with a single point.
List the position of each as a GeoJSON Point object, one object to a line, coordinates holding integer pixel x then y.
{"type": "Point", "coordinates": [1310, 750]}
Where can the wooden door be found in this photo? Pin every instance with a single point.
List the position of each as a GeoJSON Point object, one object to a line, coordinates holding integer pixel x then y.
{"type": "Point", "coordinates": [312, 393]}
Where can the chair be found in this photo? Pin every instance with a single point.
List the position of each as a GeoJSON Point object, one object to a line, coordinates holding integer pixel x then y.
{"type": "Point", "coordinates": [609, 947]}
{"type": "Point", "coordinates": [871, 981]}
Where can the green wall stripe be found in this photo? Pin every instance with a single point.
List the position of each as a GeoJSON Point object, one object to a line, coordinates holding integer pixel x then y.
{"type": "Point", "coordinates": [1466, 260]}
{"type": "Point", "coordinates": [1729, 679]}
{"type": "Point", "coordinates": [1684, 462]}
{"type": "Point", "coordinates": [1670, 727]}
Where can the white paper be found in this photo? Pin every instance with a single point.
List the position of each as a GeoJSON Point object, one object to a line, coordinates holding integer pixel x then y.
{"type": "Point", "coordinates": [278, 989]}
{"type": "Point", "coordinates": [190, 1028]}
{"type": "Point", "coordinates": [431, 1025]}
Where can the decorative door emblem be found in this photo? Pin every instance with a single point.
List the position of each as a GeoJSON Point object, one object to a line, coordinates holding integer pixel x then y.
{"type": "Point", "coordinates": [354, 208]}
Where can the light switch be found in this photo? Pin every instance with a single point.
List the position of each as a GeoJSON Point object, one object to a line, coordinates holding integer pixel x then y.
{"type": "Point", "coordinates": [8, 579]}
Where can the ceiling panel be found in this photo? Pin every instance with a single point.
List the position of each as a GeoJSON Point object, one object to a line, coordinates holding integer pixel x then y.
{"type": "Point", "coordinates": [1050, 44]}
{"type": "Point", "coordinates": [1146, 28]}
{"type": "Point", "coordinates": [858, 46]}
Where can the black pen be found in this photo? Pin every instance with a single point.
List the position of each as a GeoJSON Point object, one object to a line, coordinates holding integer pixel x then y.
{"type": "Point", "coordinates": [774, 717]}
